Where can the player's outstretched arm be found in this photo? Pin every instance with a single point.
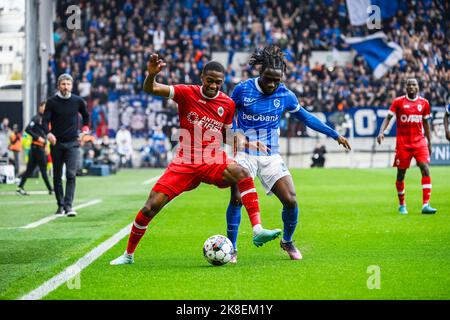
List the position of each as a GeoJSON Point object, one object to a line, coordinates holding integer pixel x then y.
{"type": "Point", "coordinates": [154, 66]}
{"type": "Point", "coordinates": [314, 123]}
{"type": "Point", "coordinates": [384, 125]}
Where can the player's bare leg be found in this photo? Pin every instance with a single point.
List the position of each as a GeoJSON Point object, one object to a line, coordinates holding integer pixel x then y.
{"type": "Point", "coordinates": [234, 173]}
{"type": "Point", "coordinates": [285, 191]}
{"type": "Point", "coordinates": [400, 185]}
{"type": "Point", "coordinates": [234, 219]}
{"type": "Point", "coordinates": [155, 202]}
{"type": "Point", "coordinates": [426, 188]}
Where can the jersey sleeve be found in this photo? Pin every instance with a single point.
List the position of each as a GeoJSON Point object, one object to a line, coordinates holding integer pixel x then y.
{"type": "Point", "coordinates": [426, 110]}
{"type": "Point", "coordinates": [178, 92]}
{"type": "Point", "coordinates": [292, 104]}
{"type": "Point", "coordinates": [393, 108]}
{"type": "Point", "coordinates": [237, 96]}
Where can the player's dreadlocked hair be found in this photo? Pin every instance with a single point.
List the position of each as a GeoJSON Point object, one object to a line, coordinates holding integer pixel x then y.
{"type": "Point", "coordinates": [269, 57]}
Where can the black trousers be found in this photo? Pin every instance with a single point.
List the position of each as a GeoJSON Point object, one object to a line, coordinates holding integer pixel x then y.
{"type": "Point", "coordinates": [65, 153]}
{"type": "Point", "coordinates": [36, 157]}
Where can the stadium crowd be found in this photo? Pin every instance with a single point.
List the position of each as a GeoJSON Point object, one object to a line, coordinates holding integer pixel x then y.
{"type": "Point", "coordinates": [110, 51]}
{"type": "Point", "coordinates": [117, 36]}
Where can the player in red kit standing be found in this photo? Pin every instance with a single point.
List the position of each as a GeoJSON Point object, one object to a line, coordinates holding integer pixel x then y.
{"type": "Point", "coordinates": [412, 113]}
{"type": "Point", "coordinates": [206, 116]}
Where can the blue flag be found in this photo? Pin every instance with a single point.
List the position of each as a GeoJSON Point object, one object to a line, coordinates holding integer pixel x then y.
{"type": "Point", "coordinates": [380, 54]}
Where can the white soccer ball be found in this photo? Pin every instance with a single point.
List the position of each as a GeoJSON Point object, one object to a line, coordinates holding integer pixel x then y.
{"type": "Point", "coordinates": [217, 250]}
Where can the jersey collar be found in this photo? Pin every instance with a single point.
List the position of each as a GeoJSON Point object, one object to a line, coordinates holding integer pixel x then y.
{"type": "Point", "coordinates": [201, 91]}
{"type": "Point", "coordinates": [257, 86]}
{"type": "Point", "coordinates": [415, 99]}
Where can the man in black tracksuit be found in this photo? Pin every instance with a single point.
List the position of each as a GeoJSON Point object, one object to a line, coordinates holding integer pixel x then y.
{"type": "Point", "coordinates": [62, 114]}
{"type": "Point", "coordinates": [37, 155]}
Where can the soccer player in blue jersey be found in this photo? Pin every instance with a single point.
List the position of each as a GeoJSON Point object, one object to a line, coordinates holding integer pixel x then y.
{"type": "Point", "coordinates": [260, 103]}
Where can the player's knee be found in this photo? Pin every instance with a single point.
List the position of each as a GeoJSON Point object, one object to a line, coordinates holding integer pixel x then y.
{"type": "Point", "coordinates": [153, 205]}
{"type": "Point", "coordinates": [241, 173]}
{"type": "Point", "coordinates": [425, 171]}
{"type": "Point", "coordinates": [236, 201]}
{"type": "Point", "coordinates": [290, 200]}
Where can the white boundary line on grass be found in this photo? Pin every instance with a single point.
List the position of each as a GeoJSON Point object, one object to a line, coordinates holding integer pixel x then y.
{"type": "Point", "coordinates": [53, 217]}
{"type": "Point", "coordinates": [151, 180]}
{"type": "Point", "coordinates": [76, 268]}
{"type": "Point", "coordinates": [73, 270]}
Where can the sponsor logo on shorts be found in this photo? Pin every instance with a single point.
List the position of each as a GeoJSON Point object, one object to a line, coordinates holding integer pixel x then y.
{"type": "Point", "coordinates": [397, 162]}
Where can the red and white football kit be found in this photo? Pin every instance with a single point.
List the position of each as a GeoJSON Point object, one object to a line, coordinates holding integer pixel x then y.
{"type": "Point", "coordinates": [410, 138]}
{"type": "Point", "coordinates": [200, 157]}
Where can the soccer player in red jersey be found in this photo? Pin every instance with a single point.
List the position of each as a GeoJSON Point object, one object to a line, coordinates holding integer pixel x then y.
{"type": "Point", "coordinates": [412, 113]}
{"type": "Point", "coordinates": [205, 118]}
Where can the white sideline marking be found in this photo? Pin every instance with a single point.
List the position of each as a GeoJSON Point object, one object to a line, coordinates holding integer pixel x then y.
{"type": "Point", "coordinates": [85, 261]}
{"type": "Point", "coordinates": [54, 216]}
{"type": "Point", "coordinates": [22, 202]}
{"type": "Point", "coordinates": [151, 180]}
{"type": "Point", "coordinates": [11, 193]}
{"type": "Point", "coordinates": [76, 268]}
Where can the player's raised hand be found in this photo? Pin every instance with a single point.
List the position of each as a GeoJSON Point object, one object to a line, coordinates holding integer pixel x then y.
{"type": "Point", "coordinates": [344, 142]}
{"type": "Point", "coordinates": [380, 138]}
{"type": "Point", "coordinates": [155, 65]}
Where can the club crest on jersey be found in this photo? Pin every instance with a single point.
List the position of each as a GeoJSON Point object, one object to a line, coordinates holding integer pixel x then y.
{"type": "Point", "coordinates": [192, 117]}
{"type": "Point", "coordinates": [419, 107]}
{"type": "Point", "coordinates": [220, 111]}
{"type": "Point", "coordinates": [276, 103]}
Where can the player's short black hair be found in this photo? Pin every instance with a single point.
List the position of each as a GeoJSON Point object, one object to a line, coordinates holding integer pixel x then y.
{"type": "Point", "coordinates": [213, 66]}
{"type": "Point", "coordinates": [269, 57]}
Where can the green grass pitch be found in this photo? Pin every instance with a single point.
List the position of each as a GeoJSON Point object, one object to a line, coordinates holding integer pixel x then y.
{"type": "Point", "coordinates": [348, 224]}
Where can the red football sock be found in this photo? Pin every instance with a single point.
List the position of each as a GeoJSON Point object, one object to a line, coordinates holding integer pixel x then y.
{"type": "Point", "coordinates": [426, 189]}
{"type": "Point", "coordinates": [250, 200]}
{"type": "Point", "coordinates": [137, 231]}
{"type": "Point", "coordinates": [400, 185]}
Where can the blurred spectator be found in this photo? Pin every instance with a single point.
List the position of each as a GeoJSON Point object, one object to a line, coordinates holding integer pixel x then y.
{"type": "Point", "coordinates": [5, 131]}
{"type": "Point", "coordinates": [159, 148]}
{"type": "Point", "coordinates": [124, 147]}
{"type": "Point", "coordinates": [15, 145]}
{"type": "Point", "coordinates": [146, 152]}
{"type": "Point", "coordinates": [318, 157]}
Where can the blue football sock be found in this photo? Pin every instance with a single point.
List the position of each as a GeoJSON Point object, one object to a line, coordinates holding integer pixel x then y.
{"type": "Point", "coordinates": [289, 216]}
{"type": "Point", "coordinates": [233, 222]}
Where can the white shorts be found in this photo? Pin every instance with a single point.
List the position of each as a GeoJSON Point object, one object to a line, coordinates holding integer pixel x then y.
{"type": "Point", "coordinates": [269, 169]}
